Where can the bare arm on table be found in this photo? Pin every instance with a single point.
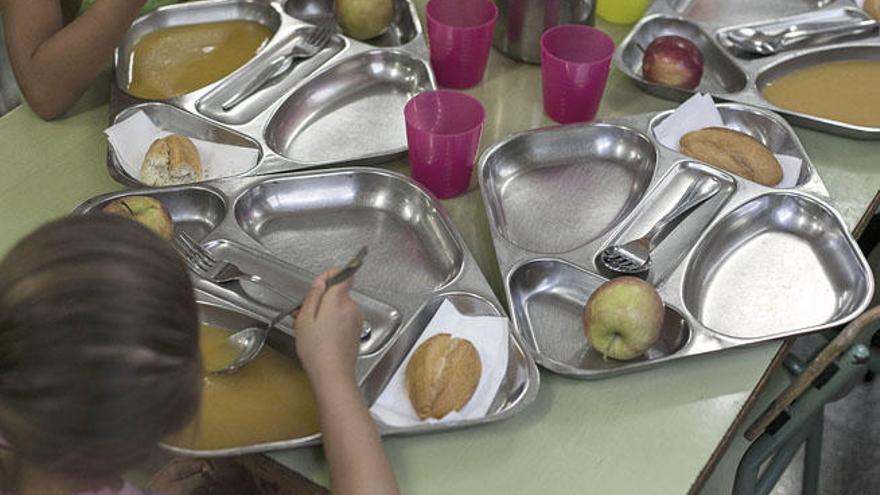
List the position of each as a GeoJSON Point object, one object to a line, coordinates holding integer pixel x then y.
{"type": "Point", "coordinates": [55, 63]}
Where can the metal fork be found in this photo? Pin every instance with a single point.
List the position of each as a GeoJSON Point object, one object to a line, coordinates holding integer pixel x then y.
{"type": "Point", "coordinates": [317, 40]}
{"type": "Point", "coordinates": [634, 257]}
{"type": "Point", "coordinates": [207, 266]}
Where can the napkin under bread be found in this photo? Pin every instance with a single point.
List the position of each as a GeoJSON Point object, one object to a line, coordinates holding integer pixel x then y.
{"type": "Point", "coordinates": [131, 139]}
{"type": "Point", "coordinates": [488, 334]}
{"type": "Point", "coordinates": [699, 112]}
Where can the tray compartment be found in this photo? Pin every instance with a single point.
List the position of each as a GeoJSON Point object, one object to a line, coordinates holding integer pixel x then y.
{"type": "Point", "coordinates": [742, 11]}
{"type": "Point", "coordinates": [518, 382]}
{"type": "Point", "coordinates": [212, 103]}
{"type": "Point", "coordinates": [762, 125]}
{"type": "Point", "coordinates": [294, 282]}
{"type": "Point", "coordinates": [547, 299]}
{"type": "Point", "coordinates": [404, 28]}
{"type": "Point", "coordinates": [660, 201]}
{"type": "Point", "coordinates": [172, 119]}
{"type": "Point", "coordinates": [233, 321]}
{"type": "Point", "coordinates": [352, 111]}
{"type": "Point", "coordinates": [193, 209]}
{"type": "Point", "coordinates": [307, 221]}
{"type": "Point", "coordinates": [720, 74]}
{"type": "Point", "coordinates": [812, 58]}
{"type": "Point", "coordinates": [551, 191]}
{"type": "Point", "coordinates": [778, 265]}
{"type": "Point", "coordinates": [186, 15]}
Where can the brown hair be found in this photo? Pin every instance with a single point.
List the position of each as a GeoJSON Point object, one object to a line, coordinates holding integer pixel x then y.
{"type": "Point", "coordinates": [99, 351]}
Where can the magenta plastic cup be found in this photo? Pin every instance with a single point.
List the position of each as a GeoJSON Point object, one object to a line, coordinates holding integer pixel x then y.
{"type": "Point", "coordinates": [443, 132]}
{"type": "Point", "coordinates": [460, 36]}
{"type": "Point", "coordinates": [575, 61]}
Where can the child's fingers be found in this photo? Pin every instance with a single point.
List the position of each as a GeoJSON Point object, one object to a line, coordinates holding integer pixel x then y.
{"type": "Point", "coordinates": [313, 297]}
{"type": "Point", "coordinates": [340, 292]}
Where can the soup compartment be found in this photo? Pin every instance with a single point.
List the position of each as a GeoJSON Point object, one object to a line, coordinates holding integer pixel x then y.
{"type": "Point", "coordinates": [186, 15]}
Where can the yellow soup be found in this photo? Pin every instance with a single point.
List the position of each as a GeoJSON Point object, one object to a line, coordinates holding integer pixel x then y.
{"type": "Point", "coordinates": [178, 60]}
{"type": "Point", "coordinates": [847, 91]}
{"type": "Point", "coordinates": [266, 401]}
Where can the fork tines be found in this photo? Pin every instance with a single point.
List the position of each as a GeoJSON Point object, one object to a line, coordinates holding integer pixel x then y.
{"type": "Point", "coordinates": [196, 256]}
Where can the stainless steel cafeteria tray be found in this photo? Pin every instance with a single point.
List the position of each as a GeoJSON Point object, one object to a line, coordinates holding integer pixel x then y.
{"type": "Point", "coordinates": [286, 228]}
{"type": "Point", "coordinates": [736, 78]}
{"type": "Point", "coordinates": [751, 264]}
{"type": "Point", "coordinates": [343, 105]}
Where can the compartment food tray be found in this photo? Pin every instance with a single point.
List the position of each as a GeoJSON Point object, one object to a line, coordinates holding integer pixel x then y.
{"type": "Point", "coordinates": [287, 228]}
{"type": "Point", "coordinates": [751, 264]}
{"type": "Point", "coordinates": [344, 105]}
{"type": "Point", "coordinates": [737, 78]}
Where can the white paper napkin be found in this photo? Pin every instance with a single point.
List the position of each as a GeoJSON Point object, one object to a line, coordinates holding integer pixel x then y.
{"type": "Point", "coordinates": [489, 336]}
{"type": "Point", "coordinates": [700, 112]}
{"type": "Point", "coordinates": [131, 139]}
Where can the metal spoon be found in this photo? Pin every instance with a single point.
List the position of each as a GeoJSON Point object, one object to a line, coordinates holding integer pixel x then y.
{"type": "Point", "coordinates": [634, 257]}
{"type": "Point", "coordinates": [250, 341]}
{"type": "Point", "coordinates": [764, 41]}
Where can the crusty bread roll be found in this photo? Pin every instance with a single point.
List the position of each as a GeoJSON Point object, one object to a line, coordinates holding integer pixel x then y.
{"type": "Point", "coordinates": [872, 7]}
{"type": "Point", "coordinates": [442, 375]}
{"type": "Point", "coordinates": [735, 152]}
{"type": "Point", "coordinates": [170, 161]}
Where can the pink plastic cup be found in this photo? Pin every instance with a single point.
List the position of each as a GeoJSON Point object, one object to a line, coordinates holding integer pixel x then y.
{"type": "Point", "coordinates": [443, 132]}
{"type": "Point", "coordinates": [575, 61]}
{"type": "Point", "coordinates": [460, 36]}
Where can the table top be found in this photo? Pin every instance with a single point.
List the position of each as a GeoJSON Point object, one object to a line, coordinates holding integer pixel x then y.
{"type": "Point", "coordinates": [651, 431]}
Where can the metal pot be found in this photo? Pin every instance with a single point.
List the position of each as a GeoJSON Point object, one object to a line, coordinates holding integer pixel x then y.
{"type": "Point", "coordinates": [521, 23]}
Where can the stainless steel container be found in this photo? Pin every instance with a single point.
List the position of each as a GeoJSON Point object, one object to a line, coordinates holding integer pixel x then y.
{"type": "Point", "coordinates": [521, 23]}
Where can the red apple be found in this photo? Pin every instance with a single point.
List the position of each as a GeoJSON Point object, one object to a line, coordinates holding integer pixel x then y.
{"type": "Point", "coordinates": [673, 61]}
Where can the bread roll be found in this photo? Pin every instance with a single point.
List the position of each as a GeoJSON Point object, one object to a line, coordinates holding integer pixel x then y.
{"type": "Point", "coordinates": [872, 7]}
{"type": "Point", "coordinates": [735, 152]}
{"type": "Point", "coordinates": [171, 160]}
{"type": "Point", "coordinates": [442, 375]}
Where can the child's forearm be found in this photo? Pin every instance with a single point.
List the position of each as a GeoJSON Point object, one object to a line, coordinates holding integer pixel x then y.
{"type": "Point", "coordinates": [55, 64]}
{"type": "Point", "coordinates": [358, 464]}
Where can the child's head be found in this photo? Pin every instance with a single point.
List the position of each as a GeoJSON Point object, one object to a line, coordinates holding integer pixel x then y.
{"type": "Point", "coordinates": [98, 345]}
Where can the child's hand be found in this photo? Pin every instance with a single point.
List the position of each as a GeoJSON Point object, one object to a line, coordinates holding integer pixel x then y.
{"type": "Point", "coordinates": [328, 329]}
{"type": "Point", "coordinates": [183, 477]}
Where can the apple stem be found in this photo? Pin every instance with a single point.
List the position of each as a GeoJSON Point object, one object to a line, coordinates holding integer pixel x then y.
{"type": "Point", "coordinates": [641, 48]}
{"type": "Point", "coordinates": [127, 207]}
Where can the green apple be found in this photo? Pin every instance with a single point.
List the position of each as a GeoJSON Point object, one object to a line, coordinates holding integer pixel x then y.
{"type": "Point", "coordinates": [623, 318]}
{"type": "Point", "coordinates": [148, 211]}
{"type": "Point", "coordinates": [364, 19]}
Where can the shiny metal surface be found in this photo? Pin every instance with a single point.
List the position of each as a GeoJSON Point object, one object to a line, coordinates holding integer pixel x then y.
{"type": "Point", "coordinates": [287, 228]}
{"type": "Point", "coordinates": [736, 271]}
{"type": "Point", "coordinates": [768, 38]}
{"type": "Point", "coordinates": [250, 341]}
{"type": "Point", "coordinates": [353, 109]}
{"type": "Point", "coordinates": [311, 45]}
{"type": "Point", "coordinates": [741, 78]}
{"type": "Point", "coordinates": [777, 263]}
{"type": "Point", "coordinates": [634, 257]}
{"type": "Point", "coordinates": [521, 23]}
{"type": "Point", "coordinates": [356, 86]}
{"type": "Point", "coordinates": [538, 183]}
